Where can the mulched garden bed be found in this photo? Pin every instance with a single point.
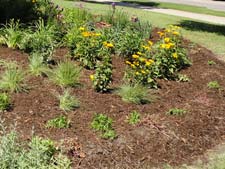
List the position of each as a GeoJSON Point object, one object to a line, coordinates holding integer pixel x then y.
{"type": "Point", "coordinates": [158, 139]}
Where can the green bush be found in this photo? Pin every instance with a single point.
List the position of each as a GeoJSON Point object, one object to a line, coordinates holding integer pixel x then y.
{"type": "Point", "coordinates": [58, 122]}
{"type": "Point", "coordinates": [39, 153]}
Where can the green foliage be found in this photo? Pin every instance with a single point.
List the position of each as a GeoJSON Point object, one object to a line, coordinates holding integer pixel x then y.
{"type": "Point", "coordinates": [68, 102]}
{"type": "Point", "coordinates": [176, 112]}
{"type": "Point", "coordinates": [103, 124]}
{"type": "Point", "coordinates": [103, 75]}
{"type": "Point", "coordinates": [134, 117]}
{"type": "Point", "coordinates": [43, 40]}
{"type": "Point", "coordinates": [213, 85]}
{"type": "Point", "coordinates": [12, 78]}
{"type": "Point", "coordinates": [88, 45]}
{"type": "Point", "coordinates": [4, 101]}
{"type": "Point", "coordinates": [11, 34]}
{"type": "Point", "coordinates": [58, 122]}
{"type": "Point", "coordinates": [40, 153]}
{"type": "Point", "coordinates": [137, 94]}
{"type": "Point", "coordinates": [211, 62]}
{"type": "Point", "coordinates": [37, 66]}
{"type": "Point", "coordinates": [129, 42]}
{"type": "Point", "coordinates": [66, 74]}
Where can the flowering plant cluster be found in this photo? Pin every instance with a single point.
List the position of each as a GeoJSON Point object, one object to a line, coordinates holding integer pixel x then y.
{"type": "Point", "coordinates": [161, 60]}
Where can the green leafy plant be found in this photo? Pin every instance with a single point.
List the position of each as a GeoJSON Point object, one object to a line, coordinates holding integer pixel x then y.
{"type": "Point", "coordinates": [37, 66]}
{"type": "Point", "coordinates": [134, 117]}
{"type": "Point", "coordinates": [58, 122]}
{"type": "Point", "coordinates": [211, 62]}
{"type": "Point", "coordinates": [39, 153]}
{"type": "Point", "coordinates": [176, 112]}
{"type": "Point", "coordinates": [65, 74]}
{"type": "Point", "coordinates": [103, 124]}
{"type": "Point", "coordinates": [68, 102]}
{"type": "Point", "coordinates": [87, 47]}
{"type": "Point", "coordinates": [137, 94]}
{"type": "Point", "coordinates": [213, 85]}
{"type": "Point", "coordinates": [43, 40]}
{"type": "Point", "coordinates": [12, 78]}
{"type": "Point", "coordinates": [11, 34]}
{"type": "Point", "coordinates": [4, 101]}
{"type": "Point", "coordinates": [103, 75]}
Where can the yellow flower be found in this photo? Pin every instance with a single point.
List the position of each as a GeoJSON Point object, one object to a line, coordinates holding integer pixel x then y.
{"type": "Point", "coordinates": [86, 34]}
{"type": "Point", "coordinates": [149, 62]}
{"type": "Point", "coordinates": [146, 47]}
{"type": "Point", "coordinates": [81, 28]}
{"type": "Point", "coordinates": [160, 34]}
{"type": "Point", "coordinates": [33, 1]}
{"type": "Point", "coordinates": [175, 56]}
{"type": "Point", "coordinates": [163, 46]}
{"type": "Point", "coordinates": [139, 53]}
{"type": "Point", "coordinates": [133, 66]}
{"type": "Point", "coordinates": [176, 33]}
{"type": "Point", "coordinates": [108, 45]}
{"type": "Point", "coordinates": [150, 43]}
{"type": "Point", "coordinates": [168, 30]}
{"type": "Point", "coordinates": [137, 73]}
{"type": "Point", "coordinates": [97, 34]}
{"type": "Point", "coordinates": [135, 56]}
{"type": "Point", "coordinates": [143, 71]}
{"type": "Point", "coordinates": [169, 45]}
{"type": "Point", "coordinates": [128, 62]}
{"type": "Point", "coordinates": [92, 77]}
{"type": "Point", "coordinates": [167, 40]}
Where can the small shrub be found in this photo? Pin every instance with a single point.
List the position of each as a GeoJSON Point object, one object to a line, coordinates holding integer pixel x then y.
{"type": "Point", "coordinates": [66, 74]}
{"type": "Point", "coordinates": [12, 78]}
{"type": "Point", "coordinates": [39, 153]}
{"type": "Point", "coordinates": [103, 124]}
{"type": "Point", "coordinates": [4, 101]}
{"type": "Point", "coordinates": [134, 118]}
{"type": "Point", "coordinates": [68, 102]}
{"type": "Point", "coordinates": [137, 94]}
{"type": "Point", "coordinates": [176, 112]}
{"type": "Point", "coordinates": [59, 122]}
{"type": "Point", "coordinates": [213, 85]}
{"type": "Point", "coordinates": [103, 76]}
{"type": "Point", "coordinates": [37, 66]}
{"type": "Point", "coordinates": [211, 62]}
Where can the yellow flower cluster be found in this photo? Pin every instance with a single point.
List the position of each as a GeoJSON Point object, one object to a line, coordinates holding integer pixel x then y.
{"type": "Point", "coordinates": [90, 34]}
{"type": "Point", "coordinates": [148, 46]}
{"type": "Point", "coordinates": [108, 45]}
{"type": "Point", "coordinates": [140, 64]}
{"type": "Point", "coordinates": [174, 30]}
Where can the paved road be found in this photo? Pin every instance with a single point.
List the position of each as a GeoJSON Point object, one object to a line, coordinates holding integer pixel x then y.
{"type": "Point", "coordinates": [195, 16]}
{"type": "Point", "coordinates": [201, 17]}
{"type": "Point", "coordinates": [210, 4]}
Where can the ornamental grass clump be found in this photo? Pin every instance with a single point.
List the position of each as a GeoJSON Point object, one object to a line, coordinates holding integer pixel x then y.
{"type": "Point", "coordinates": [65, 74]}
{"type": "Point", "coordinates": [13, 77]}
{"type": "Point", "coordinates": [37, 66]}
{"type": "Point", "coordinates": [137, 94]}
{"type": "Point", "coordinates": [67, 102]}
{"type": "Point", "coordinates": [4, 102]}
